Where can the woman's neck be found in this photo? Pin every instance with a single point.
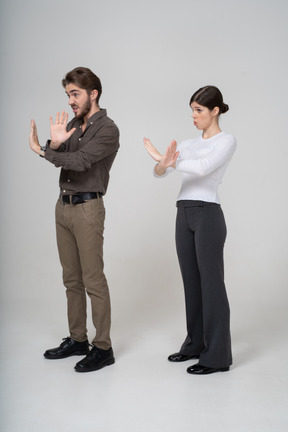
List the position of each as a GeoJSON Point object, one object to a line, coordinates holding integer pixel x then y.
{"type": "Point", "coordinates": [211, 131]}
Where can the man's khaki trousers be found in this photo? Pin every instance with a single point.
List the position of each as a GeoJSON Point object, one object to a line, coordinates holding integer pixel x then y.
{"type": "Point", "coordinates": [79, 230]}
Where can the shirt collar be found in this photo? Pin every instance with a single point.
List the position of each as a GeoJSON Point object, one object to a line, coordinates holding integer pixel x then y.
{"type": "Point", "coordinates": [94, 117]}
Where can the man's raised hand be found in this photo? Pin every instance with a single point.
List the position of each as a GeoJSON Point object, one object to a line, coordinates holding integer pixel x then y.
{"type": "Point", "coordinates": [33, 138]}
{"type": "Point", "coordinates": [58, 130]}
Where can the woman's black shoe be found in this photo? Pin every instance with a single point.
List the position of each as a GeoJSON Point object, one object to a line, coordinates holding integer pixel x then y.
{"type": "Point", "coordinates": [198, 369]}
{"type": "Point", "coordinates": [178, 357]}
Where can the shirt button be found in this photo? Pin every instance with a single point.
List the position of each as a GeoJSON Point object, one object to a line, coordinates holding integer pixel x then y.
{"type": "Point", "coordinates": [68, 180]}
{"type": "Point", "coordinates": [79, 139]}
{"type": "Point", "coordinates": [64, 191]}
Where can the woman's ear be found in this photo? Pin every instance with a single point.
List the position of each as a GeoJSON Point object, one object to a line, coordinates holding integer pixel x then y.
{"type": "Point", "coordinates": [216, 111]}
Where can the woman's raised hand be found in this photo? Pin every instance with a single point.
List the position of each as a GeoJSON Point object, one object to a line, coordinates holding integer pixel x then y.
{"type": "Point", "coordinates": [164, 161]}
{"type": "Point", "coordinates": [170, 156]}
{"type": "Point", "coordinates": [152, 150]}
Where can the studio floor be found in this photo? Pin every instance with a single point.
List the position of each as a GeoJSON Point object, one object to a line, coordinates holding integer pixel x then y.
{"type": "Point", "coordinates": [142, 391]}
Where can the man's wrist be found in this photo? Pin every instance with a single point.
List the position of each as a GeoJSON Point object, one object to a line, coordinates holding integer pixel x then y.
{"type": "Point", "coordinates": [54, 145]}
{"type": "Point", "coordinates": [43, 150]}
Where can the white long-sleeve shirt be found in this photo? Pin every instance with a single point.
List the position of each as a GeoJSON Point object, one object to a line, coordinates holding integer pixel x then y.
{"type": "Point", "coordinates": [203, 163]}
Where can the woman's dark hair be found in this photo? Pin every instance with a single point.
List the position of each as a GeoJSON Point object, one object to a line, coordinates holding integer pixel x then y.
{"type": "Point", "coordinates": [85, 79]}
{"type": "Point", "coordinates": [210, 97]}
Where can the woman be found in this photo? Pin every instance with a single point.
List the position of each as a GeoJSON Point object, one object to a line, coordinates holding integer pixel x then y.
{"type": "Point", "coordinates": [201, 232]}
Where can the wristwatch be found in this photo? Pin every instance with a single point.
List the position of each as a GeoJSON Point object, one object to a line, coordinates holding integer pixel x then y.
{"type": "Point", "coordinates": [44, 148]}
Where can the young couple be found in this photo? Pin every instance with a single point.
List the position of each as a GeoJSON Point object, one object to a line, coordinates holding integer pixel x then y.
{"type": "Point", "coordinates": [85, 149]}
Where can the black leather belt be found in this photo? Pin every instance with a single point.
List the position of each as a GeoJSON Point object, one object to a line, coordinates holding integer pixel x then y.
{"type": "Point", "coordinates": [80, 198]}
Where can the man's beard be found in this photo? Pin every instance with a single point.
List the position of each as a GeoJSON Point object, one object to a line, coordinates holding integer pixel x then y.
{"type": "Point", "coordinates": [85, 109]}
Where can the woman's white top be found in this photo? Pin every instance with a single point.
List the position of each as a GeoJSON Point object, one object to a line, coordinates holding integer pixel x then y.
{"type": "Point", "coordinates": [203, 163]}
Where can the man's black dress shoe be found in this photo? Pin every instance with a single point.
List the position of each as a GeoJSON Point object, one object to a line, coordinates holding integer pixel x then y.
{"type": "Point", "coordinates": [67, 348]}
{"type": "Point", "coordinates": [198, 369]}
{"type": "Point", "coordinates": [96, 359]}
{"type": "Point", "coordinates": [178, 357]}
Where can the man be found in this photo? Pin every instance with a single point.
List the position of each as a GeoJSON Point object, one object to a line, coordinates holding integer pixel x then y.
{"type": "Point", "coordinates": [85, 150]}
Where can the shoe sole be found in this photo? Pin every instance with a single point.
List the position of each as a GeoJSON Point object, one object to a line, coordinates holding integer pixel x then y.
{"type": "Point", "coordinates": [78, 353]}
{"type": "Point", "coordinates": [209, 373]}
{"type": "Point", "coordinates": [107, 363]}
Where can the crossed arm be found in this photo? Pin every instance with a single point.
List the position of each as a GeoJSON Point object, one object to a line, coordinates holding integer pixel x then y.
{"type": "Point", "coordinates": [59, 135]}
{"type": "Point", "coordinates": [168, 159]}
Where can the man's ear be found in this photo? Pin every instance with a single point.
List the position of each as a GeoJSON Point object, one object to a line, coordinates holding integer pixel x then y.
{"type": "Point", "coordinates": [93, 95]}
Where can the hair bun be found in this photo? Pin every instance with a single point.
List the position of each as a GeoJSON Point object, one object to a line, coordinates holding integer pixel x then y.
{"type": "Point", "coordinates": [224, 108]}
{"type": "Point", "coordinates": [210, 97]}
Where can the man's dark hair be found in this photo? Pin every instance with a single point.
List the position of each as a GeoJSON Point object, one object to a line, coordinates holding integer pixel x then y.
{"type": "Point", "coordinates": [85, 79]}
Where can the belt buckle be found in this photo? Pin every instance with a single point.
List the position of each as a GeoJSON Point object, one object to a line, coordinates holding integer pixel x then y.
{"type": "Point", "coordinates": [67, 199]}
{"type": "Point", "coordinates": [76, 199]}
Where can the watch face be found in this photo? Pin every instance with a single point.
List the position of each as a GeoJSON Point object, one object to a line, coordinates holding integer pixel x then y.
{"type": "Point", "coordinates": [44, 148]}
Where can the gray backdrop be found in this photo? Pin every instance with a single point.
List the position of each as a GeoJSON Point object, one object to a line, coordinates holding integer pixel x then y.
{"type": "Point", "coordinates": [151, 56]}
